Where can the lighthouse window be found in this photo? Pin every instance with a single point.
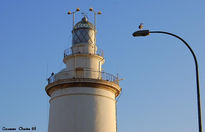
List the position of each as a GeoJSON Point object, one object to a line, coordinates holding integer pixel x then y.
{"type": "Point", "coordinates": [79, 72]}
{"type": "Point", "coordinates": [83, 36]}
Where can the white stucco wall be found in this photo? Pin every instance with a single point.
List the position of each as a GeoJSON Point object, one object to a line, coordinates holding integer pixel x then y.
{"type": "Point", "coordinates": [82, 109]}
{"type": "Point", "coordinates": [92, 62]}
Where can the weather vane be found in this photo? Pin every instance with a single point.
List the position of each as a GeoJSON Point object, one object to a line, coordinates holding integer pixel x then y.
{"type": "Point", "coordinates": [85, 14]}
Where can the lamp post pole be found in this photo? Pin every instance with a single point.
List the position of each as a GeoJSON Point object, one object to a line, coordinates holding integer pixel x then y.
{"type": "Point", "coordinates": [147, 32]}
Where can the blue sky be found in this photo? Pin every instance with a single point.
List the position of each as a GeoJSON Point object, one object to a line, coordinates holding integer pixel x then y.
{"type": "Point", "coordinates": [158, 90]}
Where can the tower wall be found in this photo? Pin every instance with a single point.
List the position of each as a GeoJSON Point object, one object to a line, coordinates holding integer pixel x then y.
{"type": "Point", "coordinates": [86, 61]}
{"type": "Point", "coordinates": [82, 109]}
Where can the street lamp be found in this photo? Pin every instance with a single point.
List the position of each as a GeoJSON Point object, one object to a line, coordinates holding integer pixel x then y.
{"type": "Point", "coordinates": [146, 33]}
{"type": "Point", "coordinates": [69, 13]}
{"type": "Point", "coordinates": [95, 13]}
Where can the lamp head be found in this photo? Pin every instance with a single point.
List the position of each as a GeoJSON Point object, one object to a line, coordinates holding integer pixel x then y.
{"type": "Point", "coordinates": [69, 12]}
{"type": "Point", "coordinates": [99, 12]}
{"type": "Point", "coordinates": [91, 9]}
{"type": "Point", "coordinates": [78, 9]}
{"type": "Point", "coordinates": [141, 33]}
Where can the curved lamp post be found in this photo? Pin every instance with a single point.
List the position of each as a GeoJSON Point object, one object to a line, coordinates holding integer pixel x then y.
{"type": "Point", "coordinates": [147, 32]}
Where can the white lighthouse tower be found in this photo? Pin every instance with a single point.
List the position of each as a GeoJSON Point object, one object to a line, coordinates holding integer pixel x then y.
{"type": "Point", "coordinates": [82, 96]}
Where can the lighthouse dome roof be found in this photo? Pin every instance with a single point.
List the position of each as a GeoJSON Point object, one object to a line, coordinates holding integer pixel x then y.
{"type": "Point", "coordinates": [84, 23]}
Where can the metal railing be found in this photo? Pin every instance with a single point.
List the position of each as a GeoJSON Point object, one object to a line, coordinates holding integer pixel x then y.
{"type": "Point", "coordinates": [83, 74]}
{"type": "Point", "coordinates": [69, 51]}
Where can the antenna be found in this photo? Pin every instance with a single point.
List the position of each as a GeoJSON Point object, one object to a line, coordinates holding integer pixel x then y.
{"type": "Point", "coordinates": [69, 13]}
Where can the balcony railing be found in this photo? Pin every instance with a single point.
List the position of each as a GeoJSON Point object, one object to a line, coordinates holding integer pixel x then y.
{"type": "Point", "coordinates": [69, 51]}
{"type": "Point", "coordinates": [83, 74]}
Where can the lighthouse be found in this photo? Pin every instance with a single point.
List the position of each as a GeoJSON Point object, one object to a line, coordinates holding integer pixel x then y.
{"type": "Point", "coordinates": [82, 95]}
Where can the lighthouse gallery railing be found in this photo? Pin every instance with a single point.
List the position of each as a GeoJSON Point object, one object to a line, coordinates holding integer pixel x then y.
{"type": "Point", "coordinates": [69, 51]}
{"type": "Point", "coordinates": [84, 74]}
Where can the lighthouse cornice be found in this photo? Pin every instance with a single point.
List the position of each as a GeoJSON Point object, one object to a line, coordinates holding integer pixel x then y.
{"type": "Point", "coordinates": [71, 51]}
{"type": "Point", "coordinates": [86, 55]}
{"type": "Point", "coordinates": [83, 82]}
